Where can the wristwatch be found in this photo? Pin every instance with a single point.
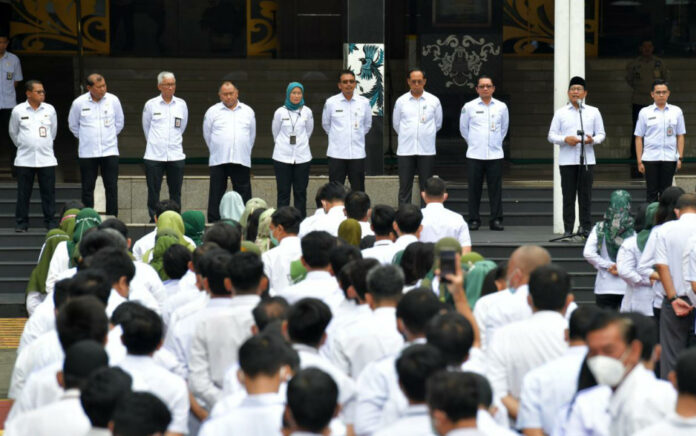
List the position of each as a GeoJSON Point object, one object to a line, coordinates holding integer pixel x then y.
{"type": "Point", "coordinates": [673, 299]}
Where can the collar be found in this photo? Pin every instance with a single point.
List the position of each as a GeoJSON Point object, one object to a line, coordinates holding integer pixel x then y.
{"type": "Point", "coordinates": [416, 410]}
{"type": "Point", "coordinates": [304, 433]}
{"type": "Point", "coordinates": [71, 394]}
{"type": "Point", "coordinates": [638, 376]}
{"type": "Point", "coordinates": [422, 96]}
{"type": "Point", "coordinates": [408, 238]}
{"type": "Point", "coordinates": [385, 312]}
{"type": "Point", "coordinates": [161, 100]}
{"type": "Point", "coordinates": [305, 348]}
{"type": "Point", "coordinates": [576, 350]}
{"type": "Point", "coordinates": [28, 106]}
{"type": "Point", "coordinates": [352, 99]}
{"type": "Point", "coordinates": [245, 300]}
{"type": "Point", "coordinates": [464, 431]}
{"type": "Point", "coordinates": [239, 106]}
{"type": "Point", "coordinates": [266, 399]}
{"type": "Point", "coordinates": [318, 275]}
{"type": "Point", "coordinates": [96, 431]}
{"type": "Point", "coordinates": [688, 216]}
{"type": "Point", "coordinates": [680, 421]}
{"type": "Point", "coordinates": [480, 101]}
{"type": "Point", "coordinates": [435, 205]}
{"type": "Point", "coordinates": [6, 55]}
{"type": "Point", "coordinates": [219, 302]}
{"type": "Point", "coordinates": [655, 108]}
{"type": "Point", "coordinates": [336, 210]}
{"type": "Point", "coordinates": [289, 240]}
{"type": "Point", "coordinates": [383, 243]}
{"type": "Point", "coordinates": [139, 360]}
{"type": "Point", "coordinates": [89, 97]}
{"type": "Point", "coordinates": [547, 315]}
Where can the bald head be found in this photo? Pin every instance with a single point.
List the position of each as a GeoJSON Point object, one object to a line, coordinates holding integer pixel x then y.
{"type": "Point", "coordinates": [523, 261]}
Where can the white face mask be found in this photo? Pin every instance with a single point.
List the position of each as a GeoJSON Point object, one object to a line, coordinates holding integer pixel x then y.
{"type": "Point", "coordinates": [607, 370]}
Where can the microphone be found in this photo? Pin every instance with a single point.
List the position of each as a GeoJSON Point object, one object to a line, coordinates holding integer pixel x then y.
{"type": "Point", "coordinates": [581, 103]}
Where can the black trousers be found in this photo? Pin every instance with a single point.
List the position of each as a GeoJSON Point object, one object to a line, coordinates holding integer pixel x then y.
{"type": "Point", "coordinates": [6, 145]}
{"type": "Point", "coordinates": [89, 168]}
{"type": "Point", "coordinates": [408, 166]}
{"type": "Point", "coordinates": [609, 301]}
{"type": "Point", "coordinates": [575, 180]}
{"type": "Point", "coordinates": [353, 168]}
{"type": "Point", "coordinates": [295, 176]}
{"type": "Point", "coordinates": [154, 172]}
{"type": "Point", "coordinates": [241, 182]}
{"type": "Point", "coordinates": [47, 189]}
{"type": "Point", "coordinates": [492, 170]}
{"type": "Point", "coordinates": [658, 177]}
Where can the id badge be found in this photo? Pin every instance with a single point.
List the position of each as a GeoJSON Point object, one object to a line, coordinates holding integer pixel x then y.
{"type": "Point", "coordinates": [670, 131]}
{"type": "Point", "coordinates": [293, 139]}
{"type": "Point", "coordinates": [9, 75]}
{"type": "Point", "coordinates": [106, 122]}
{"type": "Point", "coordinates": [42, 132]}
{"type": "Point", "coordinates": [177, 122]}
{"type": "Point", "coordinates": [492, 126]}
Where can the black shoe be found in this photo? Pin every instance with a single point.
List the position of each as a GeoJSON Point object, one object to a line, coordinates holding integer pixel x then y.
{"type": "Point", "coordinates": [567, 234]}
{"type": "Point", "coordinates": [497, 225]}
{"type": "Point", "coordinates": [21, 229]}
{"type": "Point", "coordinates": [474, 225]}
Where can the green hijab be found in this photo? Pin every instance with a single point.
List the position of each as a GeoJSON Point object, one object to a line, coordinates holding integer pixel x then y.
{"type": "Point", "coordinates": [642, 237]}
{"type": "Point", "coordinates": [165, 238]}
{"type": "Point", "coordinates": [474, 279]}
{"type": "Point", "coordinates": [231, 206]}
{"type": "Point", "coordinates": [350, 231]}
{"type": "Point", "coordinates": [85, 220]}
{"type": "Point", "coordinates": [37, 279]}
{"type": "Point", "coordinates": [617, 224]}
{"type": "Point", "coordinates": [194, 225]}
{"type": "Point", "coordinates": [263, 235]}
{"type": "Point", "coordinates": [172, 220]}
{"type": "Point", "coordinates": [250, 207]}
{"type": "Point", "coordinates": [250, 247]}
{"type": "Point", "coordinates": [67, 222]}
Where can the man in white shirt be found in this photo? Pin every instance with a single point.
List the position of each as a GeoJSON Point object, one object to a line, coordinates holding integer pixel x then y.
{"type": "Point", "coordinates": [319, 283]}
{"type": "Point", "coordinates": [660, 140]}
{"type": "Point", "coordinates": [65, 416]}
{"type": "Point", "coordinates": [11, 75]}
{"type": "Point", "coordinates": [96, 119]}
{"type": "Point", "coordinates": [549, 387]}
{"type": "Point", "coordinates": [522, 346]}
{"type": "Point", "coordinates": [453, 403]}
{"type": "Point", "coordinates": [576, 168]}
{"type": "Point", "coordinates": [332, 202]}
{"type": "Point", "coordinates": [142, 336]}
{"type": "Point", "coordinates": [262, 369]}
{"type": "Point", "coordinates": [164, 121]}
{"type": "Point", "coordinates": [358, 207]}
{"type": "Point", "coordinates": [681, 422]}
{"type": "Point", "coordinates": [407, 226]}
{"type": "Point", "coordinates": [217, 337]}
{"type": "Point", "coordinates": [382, 224]}
{"type": "Point", "coordinates": [104, 388]}
{"type": "Point", "coordinates": [33, 128]}
{"type": "Point", "coordinates": [483, 124]}
{"type": "Point", "coordinates": [229, 130]}
{"type": "Point", "coordinates": [438, 221]}
{"type": "Point", "coordinates": [414, 366]}
{"type": "Point", "coordinates": [677, 314]}
{"type": "Point", "coordinates": [509, 305]}
{"type": "Point", "coordinates": [141, 413]}
{"type": "Point", "coordinates": [285, 225]}
{"type": "Point", "coordinates": [312, 402]}
{"type": "Point", "coordinates": [347, 118]}
{"type": "Point", "coordinates": [416, 119]}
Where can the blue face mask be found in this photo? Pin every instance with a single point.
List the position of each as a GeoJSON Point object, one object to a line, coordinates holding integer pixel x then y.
{"type": "Point", "coordinates": [274, 241]}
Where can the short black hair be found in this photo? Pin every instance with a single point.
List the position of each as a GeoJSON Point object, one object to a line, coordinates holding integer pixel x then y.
{"type": "Point", "coordinates": [454, 393]}
{"type": "Point", "coordinates": [485, 393]}
{"type": "Point", "coordinates": [114, 262]}
{"type": "Point", "coordinates": [484, 76]}
{"type": "Point", "coordinates": [668, 202]}
{"type": "Point", "coordinates": [357, 274]}
{"type": "Point", "coordinates": [686, 201]}
{"type": "Point", "coordinates": [215, 266]}
{"type": "Point", "coordinates": [288, 217]}
{"type": "Point", "coordinates": [61, 292]}
{"type": "Point", "coordinates": [646, 333]}
{"type": "Point", "coordinates": [312, 397]}
{"type": "Point", "coordinates": [334, 191]}
{"type": "Point", "coordinates": [385, 282]}
{"type": "Point", "coordinates": [605, 318]}
{"type": "Point", "coordinates": [489, 282]}
{"type": "Point", "coordinates": [417, 261]}
{"type": "Point", "coordinates": [382, 219]}
{"type": "Point", "coordinates": [140, 414]}
{"type": "Point", "coordinates": [408, 217]}
{"type": "Point", "coordinates": [115, 224]}
{"type": "Point", "coordinates": [81, 318]}
{"type": "Point", "coordinates": [416, 308]}
{"type": "Point", "coordinates": [124, 312]}
{"type": "Point", "coordinates": [686, 372]}
{"type": "Point", "coordinates": [252, 227]}
{"type": "Point", "coordinates": [175, 261]}
{"type": "Point", "coordinates": [340, 255]}
{"type": "Point", "coordinates": [97, 239]}
{"type": "Point", "coordinates": [142, 332]}
{"type": "Point", "coordinates": [163, 206]}
{"type": "Point", "coordinates": [452, 334]}
{"type": "Point", "coordinates": [367, 241]}
{"type": "Point", "coordinates": [29, 84]}
{"type": "Point", "coordinates": [316, 247]}
{"type": "Point", "coordinates": [245, 271]}
{"type": "Point", "coordinates": [658, 82]}
{"type": "Point", "coordinates": [357, 205]}
{"type": "Point", "coordinates": [102, 391]}
{"type": "Point", "coordinates": [549, 286]}
{"type": "Point", "coordinates": [580, 321]}
{"type": "Point", "coordinates": [414, 70]}
{"type": "Point", "coordinates": [93, 78]}
{"type": "Point", "coordinates": [307, 321]}
{"type": "Point", "coordinates": [93, 282]}
{"type": "Point", "coordinates": [270, 311]}
{"type": "Point", "coordinates": [435, 187]}
{"type": "Point", "coordinates": [199, 252]}
{"type": "Point", "coordinates": [226, 236]}
{"type": "Point", "coordinates": [319, 196]}
{"type": "Point", "coordinates": [345, 71]}
{"type": "Point", "coordinates": [81, 360]}
{"type": "Point", "coordinates": [414, 366]}
{"type": "Point", "coordinates": [263, 354]}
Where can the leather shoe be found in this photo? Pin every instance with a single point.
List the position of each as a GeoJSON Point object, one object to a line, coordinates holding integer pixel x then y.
{"type": "Point", "coordinates": [567, 234]}
{"type": "Point", "coordinates": [497, 225]}
{"type": "Point", "coordinates": [474, 225]}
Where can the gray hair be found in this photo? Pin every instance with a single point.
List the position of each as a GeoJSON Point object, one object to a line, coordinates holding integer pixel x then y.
{"type": "Point", "coordinates": [165, 75]}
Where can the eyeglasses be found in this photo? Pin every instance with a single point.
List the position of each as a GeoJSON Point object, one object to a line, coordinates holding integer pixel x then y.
{"type": "Point", "coordinates": [348, 82]}
{"type": "Point", "coordinates": [576, 88]}
{"type": "Point", "coordinates": [485, 86]}
{"type": "Point", "coordinates": [168, 85]}
{"type": "Point", "coordinates": [660, 92]}
{"type": "Point", "coordinates": [39, 92]}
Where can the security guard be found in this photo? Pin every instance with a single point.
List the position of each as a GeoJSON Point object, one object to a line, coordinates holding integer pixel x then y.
{"type": "Point", "coordinates": [659, 141]}
{"type": "Point", "coordinates": [640, 74]}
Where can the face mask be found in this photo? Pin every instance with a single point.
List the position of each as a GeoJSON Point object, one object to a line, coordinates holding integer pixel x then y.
{"type": "Point", "coordinates": [607, 370]}
{"type": "Point", "coordinates": [274, 241]}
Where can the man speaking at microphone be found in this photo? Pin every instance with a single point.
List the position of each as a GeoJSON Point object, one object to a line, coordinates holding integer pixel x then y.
{"type": "Point", "coordinates": [576, 128]}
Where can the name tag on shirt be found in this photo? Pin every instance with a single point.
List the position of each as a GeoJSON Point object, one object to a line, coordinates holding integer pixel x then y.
{"type": "Point", "coordinates": [85, 109]}
{"type": "Point", "coordinates": [157, 114]}
{"type": "Point", "coordinates": [479, 112]}
{"type": "Point", "coordinates": [24, 118]}
{"type": "Point", "coordinates": [9, 76]}
{"type": "Point", "coordinates": [339, 110]}
{"type": "Point", "coordinates": [42, 132]}
{"type": "Point", "coordinates": [177, 122]}
{"type": "Point", "coordinates": [652, 118]}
